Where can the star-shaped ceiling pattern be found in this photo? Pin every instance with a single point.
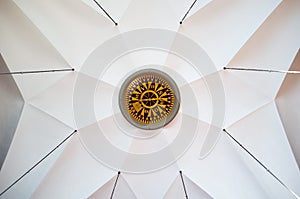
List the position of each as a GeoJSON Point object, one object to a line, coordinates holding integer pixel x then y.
{"type": "Point", "coordinates": [260, 108]}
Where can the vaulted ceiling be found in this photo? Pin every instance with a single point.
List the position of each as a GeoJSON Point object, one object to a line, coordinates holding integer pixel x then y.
{"type": "Point", "coordinates": [57, 55]}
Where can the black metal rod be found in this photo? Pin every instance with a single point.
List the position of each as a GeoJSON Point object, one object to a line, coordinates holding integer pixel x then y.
{"type": "Point", "coordinates": [36, 164]}
{"type": "Point", "coordinates": [187, 12]}
{"type": "Point", "coordinates": [261, 70]}
{"type": "Point", "coordinates": [261, 164]}
{"type": "Point", "coordinates": [37, 71]}
{"type": "Point", "coordinates": [184, 188]}
{"type": "Point", "coordinates": [98, 4]}
{"type": "Point", "coordinates": [113, 191]}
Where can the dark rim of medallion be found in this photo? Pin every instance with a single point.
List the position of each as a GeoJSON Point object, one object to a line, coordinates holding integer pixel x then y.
{"type": "Point", "coordinates": [123, 91]}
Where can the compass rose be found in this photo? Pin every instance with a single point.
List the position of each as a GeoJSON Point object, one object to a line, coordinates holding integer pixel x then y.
{"type": "Point", "coordinates": [149, 99]}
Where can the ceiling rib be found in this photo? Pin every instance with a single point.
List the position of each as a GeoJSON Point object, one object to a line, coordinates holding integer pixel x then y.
{"type": "Point", "coordinates": [36, 164]}
{"type": "Point", "coordinates": [261, 164]}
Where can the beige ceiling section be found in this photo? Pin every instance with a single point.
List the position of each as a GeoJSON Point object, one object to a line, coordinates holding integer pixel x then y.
{"type": "Point", "coordinates": [287, 101]}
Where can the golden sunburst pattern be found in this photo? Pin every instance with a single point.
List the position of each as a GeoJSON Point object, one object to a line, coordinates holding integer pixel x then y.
{"type": "Point", "coordinates": [149, 99]}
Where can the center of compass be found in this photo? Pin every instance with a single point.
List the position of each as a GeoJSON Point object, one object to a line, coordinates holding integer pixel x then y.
{"type": "Point", "coordinates": [149, 99]}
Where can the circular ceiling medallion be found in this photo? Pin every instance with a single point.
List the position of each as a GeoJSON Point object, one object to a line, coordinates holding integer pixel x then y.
{"type": "Point", "coordinates": [149, 99]}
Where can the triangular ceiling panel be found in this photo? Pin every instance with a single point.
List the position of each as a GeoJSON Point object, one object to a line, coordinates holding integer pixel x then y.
{"type": "Point", "coordinates": [124, 65]}
{"type": "Point", "coordinates": [121, 190]}
{"type": "Point", "coordinates": [31, 85]}
{"type": "Point", "coordinates": [75, 174]}
{"type": "Point", "coordinates": [32, 141]}
{"type": "Point", "coordinates": [176, 191]}
{"type": "Point", "coordinates": [287, 100]}
{"type": "Point", "coordinates": [73, 22]}
{"type": "Point", "coordinates": [19, 36]}
{"type": "Point", "coordinates": [240, 98]}
{"type": "Point", "coordinates": [267, 141]}
{"type": "Point", "coordinates": [181, 7]}
{"type": "Point", "coordinates": [182, 67]}
{"type": "Point", "coordinates": [28, 184]}
{"type": "Point", "coordinates": [273, 46]}
{"type": "Point", "coordinates": [152, 185]}
{"type": "Point", "coordinates": [59, 107]}
{"type": "Point", "coordinates": [222, 168]}
{"type": "Point", "coordinates": [273, 188]}
{"type": "Point", "coordinates": [115, 8]}
{"type": "Point", "coordinates": [229, 26]}
{"type": "Point", "coordinates": [156, 17]}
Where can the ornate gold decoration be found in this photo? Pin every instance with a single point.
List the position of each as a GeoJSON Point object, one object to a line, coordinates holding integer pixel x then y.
{"type": "Point", "coordinates": [149, 98]}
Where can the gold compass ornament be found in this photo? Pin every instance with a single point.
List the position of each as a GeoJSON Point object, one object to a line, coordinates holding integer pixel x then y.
{"type": "Point", "coordinates": [149, 99]}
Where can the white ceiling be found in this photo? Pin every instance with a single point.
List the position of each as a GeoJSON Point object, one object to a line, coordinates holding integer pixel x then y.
{"type": "Point", "coordinates": [259, 107]}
